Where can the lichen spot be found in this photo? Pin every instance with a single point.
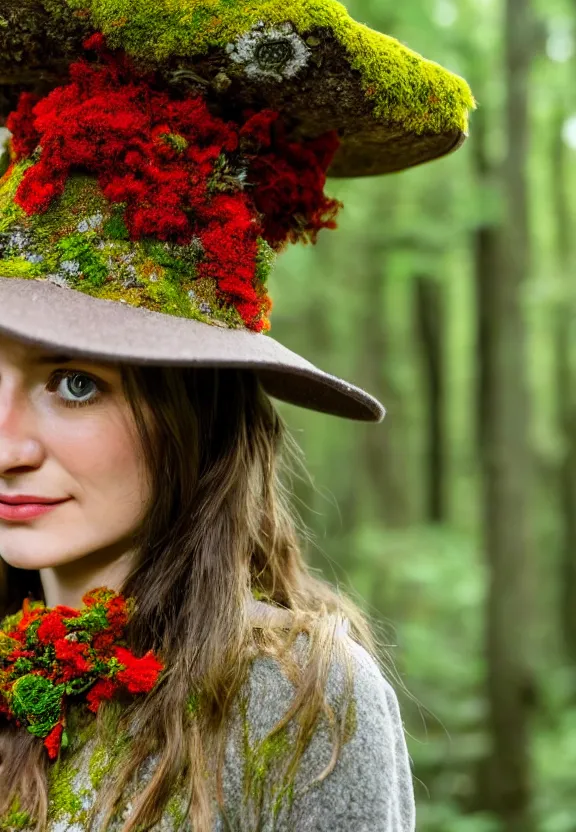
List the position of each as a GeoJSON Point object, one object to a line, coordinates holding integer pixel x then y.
{"type": "Point", "coordinates": [276, 52]}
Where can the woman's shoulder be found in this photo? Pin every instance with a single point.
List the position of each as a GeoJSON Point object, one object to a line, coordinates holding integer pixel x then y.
{"type": "Point", "coordinates": [370, 785]}
{"type": "Point", "coordinates": [372, 693]}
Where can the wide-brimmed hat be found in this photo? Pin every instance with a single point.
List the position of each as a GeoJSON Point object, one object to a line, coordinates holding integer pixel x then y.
{"type": "Point", "coordinates": [161, 159]}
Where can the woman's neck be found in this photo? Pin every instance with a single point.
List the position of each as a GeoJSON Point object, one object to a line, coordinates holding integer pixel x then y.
{"type": "Point", "coordinates": [66, 583]}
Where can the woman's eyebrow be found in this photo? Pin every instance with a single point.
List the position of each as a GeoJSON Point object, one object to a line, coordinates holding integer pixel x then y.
{"type": "Point", "coordinates": [52, 359]}
{"type": "Point", "coordinates": [67, 359]}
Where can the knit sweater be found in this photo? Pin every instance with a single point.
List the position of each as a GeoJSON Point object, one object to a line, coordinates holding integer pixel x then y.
{"type": "Point", "coordinates": [369, 790]}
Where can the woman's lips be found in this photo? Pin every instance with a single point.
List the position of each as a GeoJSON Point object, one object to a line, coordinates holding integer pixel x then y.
{"type": "Point", "coordinates": [26, 511]}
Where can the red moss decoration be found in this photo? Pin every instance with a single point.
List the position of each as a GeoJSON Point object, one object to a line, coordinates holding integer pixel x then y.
{"type": "Point", "coordinates": [140, 674]}
{"type": "Point", "coordinates": [157, 155]}
{"type": "Point", "coordinates": [51, 628]}
{"type": "Point", "coordinates": [289, 179]}
{"type": "Point", "coordinates": [52, 654]}
{"type": "Point", "coordinates": [25, 138]}
{"type": "Point", "coordinates": [103, 690]}
{"type": "Point", "coordinates": [53, 741]}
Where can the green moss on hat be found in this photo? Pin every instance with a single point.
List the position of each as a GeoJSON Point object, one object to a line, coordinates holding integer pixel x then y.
{"type": "Point", "coordinates": [81, 243]}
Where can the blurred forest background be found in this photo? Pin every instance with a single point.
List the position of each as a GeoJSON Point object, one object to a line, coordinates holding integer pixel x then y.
{"type": "Point", "coordinates": [449, 293]}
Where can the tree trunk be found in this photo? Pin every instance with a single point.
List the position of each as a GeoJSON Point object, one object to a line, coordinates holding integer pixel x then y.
{"type": "Point", "coordinates": [504, 260]}
{"type": "Point", "coordinates": [431, 327]}
{"type": "Point", "coordinates": [566, 410]}
{"type": "Point", "coordinates": [384, 448]}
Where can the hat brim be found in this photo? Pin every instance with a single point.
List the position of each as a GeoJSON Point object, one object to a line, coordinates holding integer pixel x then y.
{"type": "Point", "coordinates": [44, 314]}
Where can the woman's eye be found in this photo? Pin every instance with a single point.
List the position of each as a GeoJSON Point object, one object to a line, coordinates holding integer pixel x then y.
{"type": "Point", "coordinates": [74, 388]}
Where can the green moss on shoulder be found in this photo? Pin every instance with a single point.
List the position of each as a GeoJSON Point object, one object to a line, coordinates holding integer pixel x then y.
{"type": "Point", "coordinates": [65, 801]}
{"type": "Point", "coordinates": [176, 811]}
{"type": "Point", "coordinates": [15, 819]}
{"type": "Point", "coordinates": [264, 762]}
{"type": "Point", "coordinates": [404, 87]}
{"type": "Point", "coordinates": [109, 748]}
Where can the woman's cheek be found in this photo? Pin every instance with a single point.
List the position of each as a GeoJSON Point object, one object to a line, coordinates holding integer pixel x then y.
{"type": "Point", "coordinates": [102, 459]}
{"type": "Point", "coordinates": [107, 480]}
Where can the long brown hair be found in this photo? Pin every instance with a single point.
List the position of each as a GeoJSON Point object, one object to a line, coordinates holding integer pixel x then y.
{"type": "Point", "coordinates": [220, 530]}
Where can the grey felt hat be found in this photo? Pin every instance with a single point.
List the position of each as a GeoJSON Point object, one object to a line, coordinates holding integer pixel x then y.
{"type": "Point", "coordinates": [109, 248]}
{"type": "Point", "coordinates": [40, 313]}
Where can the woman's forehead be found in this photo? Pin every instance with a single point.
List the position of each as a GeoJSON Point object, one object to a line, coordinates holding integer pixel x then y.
{"type": "Point", "coordinates": [19, 352]}
{"type": "Point", "coordinates": [22, 354]}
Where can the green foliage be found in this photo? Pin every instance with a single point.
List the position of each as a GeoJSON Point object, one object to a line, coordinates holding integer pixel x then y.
{"type": "Point", "coordinates": [18, 267]}
{"type": "Point", "coordinates": [10, 213]}
{"type": "Point", "coordinates": [177, 142]}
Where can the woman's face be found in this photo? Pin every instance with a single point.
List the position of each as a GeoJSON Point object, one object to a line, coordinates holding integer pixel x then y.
{"type": "Point", "coordinates": [67, 433]}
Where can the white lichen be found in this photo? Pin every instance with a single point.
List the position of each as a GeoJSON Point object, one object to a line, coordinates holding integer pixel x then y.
{"type": "Point", "coordinates": [276, 52]}
{"type": "Point", "coordinates": [196, 247]}
{"type": "Point", "coordinates": [59, 279]}
{"type": "Point", "coordinates": [90, 223]}
{"type": "Point", "coordinates": [19, 241]}
{"type": "Point", "coordinates": [70, 267]}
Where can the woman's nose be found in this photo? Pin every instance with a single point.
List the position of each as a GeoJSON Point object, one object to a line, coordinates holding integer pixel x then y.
{"type": "Point", "coordinates": [19, 446]}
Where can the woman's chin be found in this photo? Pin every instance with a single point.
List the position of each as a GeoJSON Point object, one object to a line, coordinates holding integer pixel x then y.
{"type": "Point", "coordinates": [30, 558]}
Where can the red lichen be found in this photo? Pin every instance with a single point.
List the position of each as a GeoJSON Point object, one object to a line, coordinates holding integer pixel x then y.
{"type": "Point", "coordinates": [156, 154]}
